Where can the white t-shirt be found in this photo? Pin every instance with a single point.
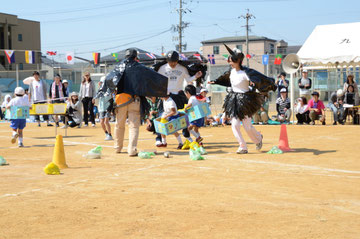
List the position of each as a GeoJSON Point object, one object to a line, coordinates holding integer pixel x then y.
{"type": "Point", "coordinates": [193, 101]}
{"type": "Point", "coordinates": [38, 91]}
{"type": "Point", "coordinates": [301, 109]}
{"type": "Point", "coordinates": [19, 101]}
{"type": "Point", "coordinates": [176, 77]}
{"type": "Point", "coordinates": [168, 105]}
{"type": "Point", "coordinates": [239, 81]}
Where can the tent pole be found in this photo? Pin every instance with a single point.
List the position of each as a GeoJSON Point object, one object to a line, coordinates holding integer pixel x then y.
{"type": "Point", "coordinates": [292, 98]}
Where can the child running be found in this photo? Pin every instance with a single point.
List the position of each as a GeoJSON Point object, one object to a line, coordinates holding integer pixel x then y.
{"type": "Point", "coordinates": [190, 92]}
{"type": "Point", "coordinates": [106, 104]}
{"type": "Point", "coordinates": [18, 125]}
{"type": "Point", "coordinates": [170, 113]}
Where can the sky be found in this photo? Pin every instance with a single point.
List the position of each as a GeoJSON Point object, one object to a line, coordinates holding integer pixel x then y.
{"type": "Point", "coordinates": [107, 26]}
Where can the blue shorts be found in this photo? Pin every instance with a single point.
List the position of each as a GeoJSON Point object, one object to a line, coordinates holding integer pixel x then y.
{"type": "Point", "coordinates": [173, 117]}
{"type": "Point", "coordinates": [18, 123]}
{"type": "Point", "coordinates": [198, 123]}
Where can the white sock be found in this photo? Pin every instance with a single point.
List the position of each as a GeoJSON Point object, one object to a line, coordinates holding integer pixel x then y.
{"type": "Point", "coordinates": [179, 139]}
{"type": "Point", "coordinates": [190, 139]}
{"type": "Point", "coordinates": [20, 140]}
{"type": "Point", "coordinates": [163, 140]}
{"type": "Point", "coordinates": [14, 133]}
{"type": "Point", "coordinates": [194, 133]}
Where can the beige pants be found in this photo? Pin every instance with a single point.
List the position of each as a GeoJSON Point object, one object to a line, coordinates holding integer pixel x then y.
{"type": "Point", "coordinates": [132, 113]}
{"type": "Point", "coordinates": [262, 117]}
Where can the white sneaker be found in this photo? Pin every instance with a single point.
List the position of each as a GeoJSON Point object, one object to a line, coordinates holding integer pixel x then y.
{"type": "Point", "coordinates": [21, 145]}
{"type": "Point", "coordinates": [93, 125]}
{"type": "Point", "coordinates": [14, 137]}
{"type": "Point", "coordinates": [108, 137]}
{"type": "Point", "coordinates": [241, 151]}
{"type": "Point", "coordinates": [64, 127]}
{"type": "Point", "coordinates": [158, 143]}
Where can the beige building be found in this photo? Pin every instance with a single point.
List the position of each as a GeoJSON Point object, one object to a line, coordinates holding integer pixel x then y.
{"type": "Point", "coordinates": [258, 46]}
{"type": "Point", "coordinates": [19, 34]}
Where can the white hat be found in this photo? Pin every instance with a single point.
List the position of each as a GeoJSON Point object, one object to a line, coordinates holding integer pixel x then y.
{"type": "Point", "coordinates": [283, 90]}
{"type": "Point", "coordinates": [339, 93]}
{"type": "Point", "coordinates": [203, 90]}
{"type": "Point", "coordinates": [65, 81]}
{"type": "Point", "coordinates": [304, 71]}
{"type": "Point", "coordinates": [74, 93]}
{"type": "Point", "coordinates": [19, 91]}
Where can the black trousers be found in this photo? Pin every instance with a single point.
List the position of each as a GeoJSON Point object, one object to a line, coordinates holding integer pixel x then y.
{"type": "Point", "coordinates": [180, 100]}
{"type": "Point", "coordinates": [303, 118]}
{"type": "Point", "coordinates": [37, 117]}
{"type": "Point", "coordinates": [88, 106]}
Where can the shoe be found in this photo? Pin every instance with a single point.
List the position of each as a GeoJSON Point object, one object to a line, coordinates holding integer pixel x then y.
{"type": "Point", "coordinates": [133, 155]}
{"type": "Point", "coordinates": [39, 125]}
{"type": "Point", "coordinates": [108, 137]}
{"type": "Point", "coordinates": [335, 123]}
{"type": "Point", "coordinates": [157, 143]}
{"type": "Point", "coordinates": [21, 145]}
{"type": "Point", "coordinates": [186, 145]}
{"type": "Point", "coordinates": [162, 145]}
{"type": "Point", "coordinates": [241, 151]}
{"type": "Point", "coordinates": [49, 125]}
{"type": "Point", "coordinates": [323, 123]}
{"type": "Point", "coordinates": [312, 123]}
{"type": "Point", "coordinates": [180, 146]}
{"type": "Point", "coordinates": [86, 125]}
{"type": "Point", "coordinates": [64, 127]}
{"type": "Point", "coordinates": [199, 139]}
{"type": "Point", "coordinates": [259, 145]}
{"type": "Point", "coordinates": [93, 125]}
{"type": "Point", "coordinates": [14, 137]}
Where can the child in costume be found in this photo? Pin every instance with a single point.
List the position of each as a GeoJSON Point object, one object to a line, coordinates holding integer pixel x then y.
{"type": "Point", "coordinates": [241, 102]}
{"type": "Point", "coordinates": [18, 125]}
{"type": "Point", "coordinates": [170, 113]}
{"type": "Point", "coordinates": [190, 92]}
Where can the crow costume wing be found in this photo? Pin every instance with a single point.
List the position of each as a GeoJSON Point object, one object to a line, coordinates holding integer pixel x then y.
{"type": "Point", "coordinates": [192, 67]}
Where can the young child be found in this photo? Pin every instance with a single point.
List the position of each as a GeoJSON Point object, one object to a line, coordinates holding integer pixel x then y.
{"type": "Point", "coordinates": [106, 104]}
{"type": "Point", "coordinates": [190, 92]}
{"type": "Point", "coordinates": [155, 110]}
{"type": "Point", "coordinates": [18, 124]}
{"type": "Point", "coordinates": [170, 113]}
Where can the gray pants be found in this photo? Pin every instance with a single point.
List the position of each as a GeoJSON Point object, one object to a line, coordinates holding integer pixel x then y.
{"type": "Point", "coordinates": [261, 117]}
{"type": "Point", "coordinates": [286, 117]}
{"type": "Point", "coordinates": [338, 112]}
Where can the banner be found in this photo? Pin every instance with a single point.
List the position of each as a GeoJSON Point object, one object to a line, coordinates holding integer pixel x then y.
{"type": "Point", "coordinates": [10, 56]}
{"type": "Point", "coordinates": [70, 58]}
{"type": "Point", "coordinates": [226, 56]}
{"type": "Point", "coordinates": [211, 59]}
{"type": "Point", "coordinates": [265, 59]}
{"type": "Point", "coordinates": [151, 55]}
{"type": "Point", "coordinates": [51, 53]}
{"type": "Point", "coordinates": [198, 57]}
{"type": "Point", "coordinates": [115, 55]}
{"type": "Point", "coordinates": [278, 59]}
{"type": "Point", "coordinates": [248, 56]}
{"type": "Point", "coordinates": [30, 57]}
{"type": "Point", "coordinates": [96, 57]}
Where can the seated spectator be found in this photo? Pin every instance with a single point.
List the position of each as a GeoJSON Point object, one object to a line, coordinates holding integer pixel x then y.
{"type": "Point", "coordinates": [202, 96]}
{"type": "Point", "coordinates": [316, 108]}
{"type": "Point", "coordinates": [74, 111]}
{"type": "Point", "coordinates": [283, 107]}
{"type": "Point", "coordinates": [302, 113]}
{"type": "Point", "coordinates": [262, 115]}
{"type": "Point", "coordinates": [336, 103]}
{"type": "Point", "coordinates": [7, 99]}
{"type": "Point", "coordinates": [350, 81]}
{"type": "Point", "coordinates": [351, 98]}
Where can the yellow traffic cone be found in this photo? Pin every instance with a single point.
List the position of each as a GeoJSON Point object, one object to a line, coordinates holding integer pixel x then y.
{"type": "Point", "coordinates": [59, 153]}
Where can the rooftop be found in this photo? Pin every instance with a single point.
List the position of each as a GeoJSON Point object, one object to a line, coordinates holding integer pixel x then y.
{"type": "Point", "coordinates": [237, 39]}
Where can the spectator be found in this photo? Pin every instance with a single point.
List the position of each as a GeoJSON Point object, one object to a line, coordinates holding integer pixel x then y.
{"type": "Point", "coordinates": [74, 109]}
{"type": "Point", "coordinates": [66, 87]}
{"type": "Point", "coordinates": [350, 81]}
{"type": "Point", "coordinates": [281, 82]}
{"type": "Point", "coordinates": [57, 94]}
{"type": "Point", "coordinates": [316, 108]}
{"type": "Point", "coordinates": [305, 85]}
{"type": "Point", "coordinates": [336, 105]}
{"type": "Point", "coordinates": [37, 95]}
{"type": "Point", "coordinates": [351, 98]}
{"type": "Point", "coordinates": [302, 113]}
{"type": "Point", "coordinates": [283, 107]}
{"type": "Point", "coordinates": [262, 115]}
{"type": "Point", "coordinates": [87, 94]}
{"type": "Point", "coordinates": [202, 96]}
{"type": "Point", "coordinates": [7, 99]}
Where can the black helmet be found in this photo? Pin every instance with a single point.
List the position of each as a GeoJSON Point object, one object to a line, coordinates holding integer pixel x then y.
{"type": "Point", "coordinates": [131, 53]}
{"type": "Point", "coordinates": [172, 56]}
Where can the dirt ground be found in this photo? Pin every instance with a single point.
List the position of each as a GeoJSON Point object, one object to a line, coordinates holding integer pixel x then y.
{"type": "Point", "coordinates": [312, 192]}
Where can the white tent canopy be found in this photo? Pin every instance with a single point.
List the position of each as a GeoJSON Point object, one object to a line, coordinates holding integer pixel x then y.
{"type": "Point", "coordinates": [337, 44]}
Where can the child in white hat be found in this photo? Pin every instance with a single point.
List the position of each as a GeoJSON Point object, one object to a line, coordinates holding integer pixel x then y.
{"type": "Point", "coordinates": [18, 125]}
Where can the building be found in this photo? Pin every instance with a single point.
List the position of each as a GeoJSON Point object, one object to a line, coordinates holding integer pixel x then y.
{"type": "Point", "coordinates": [19, 35]}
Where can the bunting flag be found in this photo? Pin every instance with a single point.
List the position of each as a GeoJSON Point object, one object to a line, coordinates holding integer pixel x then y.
{"type": "Point", "coordinates": [248, 56]}
{"type": "Point", "coordinates": [198, 57]}
{"type": "Point", "coordinates": [278, 59]}
{"type": "Point", "coordinates": [151, 55]}
{"type": "Point", "coordinates": [51, 53]}
{"type": "Point", "coordinates": [226, 56]}
{"type": "Point", "coordinates": [10, 56]}
{"type": "Point", "coordinates": [70, 58]}
{"type": "Point", "coordinates": [211, 59]}
{"type": "Point", "coordinates": [30, 57]}
{"type": "Point", "coordinates": [163, 54]}
{"type": "Point", "coordinates": [265, 59]}
{"type": "Point", "coordinates": [183, 57]}
{"type": "Point", "coordinates": [115, 55]}
{"type": "Point", "coordinates": [96, 57]}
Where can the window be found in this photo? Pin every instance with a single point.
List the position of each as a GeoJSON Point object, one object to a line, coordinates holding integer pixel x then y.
{"type": "Point", "coordinates": [21, 66]}
{"type": "Point", "coordinates": [272, 48]}
{"type": "Point", "coordinates": [19, 37]}
{"type": "Point", "coordinates": [239, 47]}
{"type": "Point", "coordinates": [215, 49]}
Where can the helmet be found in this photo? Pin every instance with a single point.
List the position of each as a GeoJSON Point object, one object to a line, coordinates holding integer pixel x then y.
{"type": "Point", "coordinates": [19, 91]}
{"type": "Point", "coordinates": [131, 53]}
{"type": "Point", "coordinates": [172, 56]}
{"type": "Point", "coordinates": [339, 93]}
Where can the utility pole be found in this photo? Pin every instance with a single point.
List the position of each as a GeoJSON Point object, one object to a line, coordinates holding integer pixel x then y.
{"type": "Point", "coordinates": [182, 25]}
{"type": "Point", "coordinates": [247, 17]}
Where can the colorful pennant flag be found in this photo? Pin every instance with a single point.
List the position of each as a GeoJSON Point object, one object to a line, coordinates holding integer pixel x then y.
{"type": "Point", "coordinates": [265, 59]}
{"type": "Point", "coordinates": [183, 57]}
{"type": "Point", "coordinates": [151, 55]}
{"type": "Point", "coordinates": [51, 53]}
{"type": "Point", "coordinates": [70, 58]}
{"type": "Point", "coordinates": [248, 56]}
{"type": "Point", "coordinates": [278, 59]}
{"type": "Point", "coordinates": [211, 59]}
{"type": "Point", "coordinates": [10, 56]}
{"type": "Point", "coordinates": [115, 55]}
{"type": "Point", "coordinates": [96, 57]}
{"type": "Point", "coordinates": [30, 57]}
{"type": "Point", "coordinates": [198, 57]}
{"type": "Point", "coordinates": [226, 56]}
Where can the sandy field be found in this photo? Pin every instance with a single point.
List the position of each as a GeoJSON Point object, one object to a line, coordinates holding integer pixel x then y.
{"type": "Point", "coordinates": [312, 192]}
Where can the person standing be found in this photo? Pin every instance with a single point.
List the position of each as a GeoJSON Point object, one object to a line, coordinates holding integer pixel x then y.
{"type": "Point", "coordinates": [281, 82]}
{"type": "Point", "coordinates": [87, 94]}
{"type": "Point", "coordinates": [37, 95]}
{"type": "Point", "coordinates": [106, 105]}
{"type": "Point", "coordinates": [66, 86]}
{"type": "Point", "coordinates": [305, 85]}
{"type": "Point", "coordinates": [57, 94]}
{"type": "Point", "coordinates": [350, 81]}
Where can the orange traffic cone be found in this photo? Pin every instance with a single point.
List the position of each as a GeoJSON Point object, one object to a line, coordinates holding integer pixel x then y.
{"type": "Point", "coordinates": [59, 153]}
{"type": "Point", "coordinates": [283, 141]}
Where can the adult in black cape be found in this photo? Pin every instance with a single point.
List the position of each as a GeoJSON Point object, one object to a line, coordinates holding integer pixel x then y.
{"type": "Point", "coordinates": [177, 73]}
{"type": "Point", "coordinates": [241, 102]}
{"type": "Point", "coordinates": [132, 82]}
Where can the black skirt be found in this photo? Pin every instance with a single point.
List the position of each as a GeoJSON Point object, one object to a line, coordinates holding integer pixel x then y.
{"type": "Point", "coordinates": [240, 105]}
